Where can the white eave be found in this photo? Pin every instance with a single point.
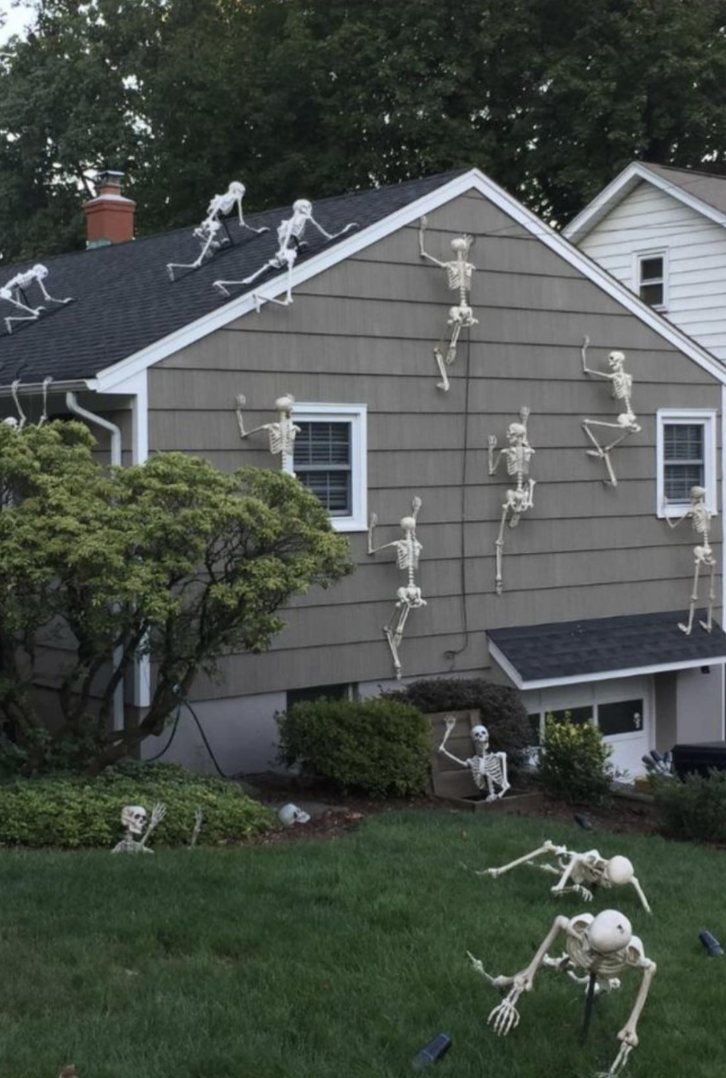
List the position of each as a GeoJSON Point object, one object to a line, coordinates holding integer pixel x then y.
{"type": "Point", "coordinates": [107, 380]}
{"type": "Point", "coordinates": [620, 187]}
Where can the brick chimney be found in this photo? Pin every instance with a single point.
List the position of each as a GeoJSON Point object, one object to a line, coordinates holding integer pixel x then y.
{"type": "Point", "coordinates": [110, 215]}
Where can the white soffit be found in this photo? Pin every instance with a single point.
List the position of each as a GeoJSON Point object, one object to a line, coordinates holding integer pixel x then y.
{"type": "Point", "coordinates": [474, 180]}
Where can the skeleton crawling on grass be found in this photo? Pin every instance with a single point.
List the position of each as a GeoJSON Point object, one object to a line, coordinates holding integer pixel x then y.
{"type": "Point", "coordinates": [579, 872]}
{"type": "Point", "coordinates": [597, 950]}
{"type": "Point", "coordinates": [488, 769]}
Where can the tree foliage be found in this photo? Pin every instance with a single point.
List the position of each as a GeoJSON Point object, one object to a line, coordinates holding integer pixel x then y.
{"type": "Point", "coordinates": [172, 558]}
{"type": "Point", "coordinates": [550, 98]}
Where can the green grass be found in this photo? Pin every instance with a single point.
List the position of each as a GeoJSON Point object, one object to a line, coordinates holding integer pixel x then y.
{"type": "Point", "coordinates": [340, 959]}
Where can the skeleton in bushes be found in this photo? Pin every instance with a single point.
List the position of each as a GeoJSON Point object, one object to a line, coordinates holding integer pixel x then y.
{"type": "Point", "coordinates": [627, 422]}
{"type": "Point", "coordinates": [700, 517]}
{"type": "Point", "coordinates": [579, 873]}
{"type": "Point", "coordinates": [408, 551]}
{"type": "Point", "coordinates": [209, 232]}
{"type": "Point", "coordinates": [458, 274]}
{"type": "Point", "coordinates": [14, 291]}
{"type": "Point", "coordinates": [290, 244]}
{"type": "Point", "coordinates": [597, 950]}
{"type": "Point", "coordinates": [135, 818]}
{"type": "Point", "coordinates": [488, 769]}
{"type": "Point", "coordinates": [282, 433]}
{"type": "Point", "coordinates": [518, 456]}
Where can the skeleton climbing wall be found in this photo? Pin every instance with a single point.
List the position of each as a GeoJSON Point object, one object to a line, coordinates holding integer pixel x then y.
{"type": "Point", "coordinates": [458, 276]}
{"type": "Point", "coordinates": [626, 424]}
{"type": "Point", "coordinates": [519, 499]}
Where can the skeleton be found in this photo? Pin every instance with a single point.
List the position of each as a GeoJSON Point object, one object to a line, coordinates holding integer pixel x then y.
{"type": "Point", "coordinates": [408, 551]}
{"type": "Point", "coordinates": [627, 422]}
{"type": "Point", "coordinates": [579, 872]}
{"type": "Point", "coordinates": [17, 286]}
{"type": "Point", "coordinates": [290, 242]}
{"type": "Point", "coordinates": [700, 517]}
{"type": "Point", "coordinates": [290, 814]}
{"type": "Point", "coordinates": [134, 818]}
{"type": "Point", "coordinates": [488, 769]}
{"type": "Point", "coordinates": [519, 499]}
{"type": "Point", "coordinates": [282, 433]}
{"type": "Point", "coordinates": [18, 424]}
{"type": "Point", "coordinates": [458, 274]}
{"type": "Point", "coordinates": [198, 821]}
{"type": "Point", "coordinates": [209, 230]}
{"type": "Point", "coordinates": [597, 949]}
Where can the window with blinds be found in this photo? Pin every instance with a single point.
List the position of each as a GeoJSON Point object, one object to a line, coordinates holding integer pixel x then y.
{"type": "Point", "coordinates": [652, 279]}
{"type": "Point", "coordinates": [683, 459]}
{"type": "Point", "coordinates": [322, 461]}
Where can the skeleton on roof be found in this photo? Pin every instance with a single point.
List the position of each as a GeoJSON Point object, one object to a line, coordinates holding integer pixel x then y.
{"type": "Point", "coordinates": [578, 872]}
{"type": "Point", "coordinates": [458, 275]}
{"type": "Point", "coordinates": [488, 769]}
{"type": "Point", "coordinates": [700, 516]}
{"type": "Point", "coordinates": [627, 422]}
{"type": "Point", "coordinates": [17, 286]}
{"type": "Point", "coordinates": [290, 242]}
{"type": "Point", "coordinates": [209, 230]}
{"type": "Point", "coordinates": [408, 551]}
{"type": "Point", "coordinates": [282, 433]}
{"type": "Point", "coordinates": [597, 950]}
{"type": "Point", "coordinates": [518, 455]}
{"type": "Point", "coordinates": [135, 819]}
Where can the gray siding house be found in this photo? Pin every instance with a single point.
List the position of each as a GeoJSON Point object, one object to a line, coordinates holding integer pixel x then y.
{"type": "Point", "coordinates": [595, 583]}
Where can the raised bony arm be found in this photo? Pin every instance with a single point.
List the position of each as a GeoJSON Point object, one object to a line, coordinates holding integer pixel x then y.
{"type": "Point", "coordinates": [450, 724]}
{"type": "Point", "coordinates": [628, 1035]}
{"type": "Point", "coordinates": [585, 368]}
{"type": "Point", "coordinates": [422, 252]}
{"type": "Point", "coordinates": [673, 523]}
{"type": "Point", "coordinates": [158, 813]}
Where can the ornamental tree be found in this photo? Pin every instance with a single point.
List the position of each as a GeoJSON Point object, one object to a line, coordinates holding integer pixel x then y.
{"type": "Point", "coordinates": [172, 559]}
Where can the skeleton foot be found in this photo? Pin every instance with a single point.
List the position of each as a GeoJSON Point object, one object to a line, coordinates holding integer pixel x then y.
{"type": "Point", "coordinates": [706, 626]}
{"type": "Point", "coordinates": [685, 628]}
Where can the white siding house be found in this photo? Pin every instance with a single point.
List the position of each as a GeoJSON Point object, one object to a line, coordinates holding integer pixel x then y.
{"type": "Point", "coordinates": [662, 232]}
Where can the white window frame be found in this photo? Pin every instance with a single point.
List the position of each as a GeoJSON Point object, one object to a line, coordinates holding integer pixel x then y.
{"type": "Point", "coordinates": [686, 416]}
{"type": "Point", "coordinates": [357, 416]}
{"type": "Point", "coordinates": [642, 256]}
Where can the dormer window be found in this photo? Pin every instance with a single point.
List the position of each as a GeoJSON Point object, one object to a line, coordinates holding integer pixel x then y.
{"type": "Point", "coordinates": [651, 269]}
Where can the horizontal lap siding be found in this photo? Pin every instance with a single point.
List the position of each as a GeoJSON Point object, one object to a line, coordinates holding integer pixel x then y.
{"type": "Point", "coordinates": [649, 218]}
{"type": "Point", "coordinates": [363, 332]}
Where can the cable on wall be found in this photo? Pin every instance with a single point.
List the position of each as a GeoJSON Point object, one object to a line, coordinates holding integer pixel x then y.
{"type": "Point", "coordinates": [452, 654]}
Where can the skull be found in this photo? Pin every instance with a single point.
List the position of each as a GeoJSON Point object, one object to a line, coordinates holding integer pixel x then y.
{"type": "Point", "coordinates": [133, 818]}
{"type": "Point", "coordinates": [290, 814]}
{"type": "Point", "coordinates": [303, 207]}
{"type": "Point", "coordinates": [616, 360]}
{"type": "Point", "coordinates": [480, 737]}
{"type": "Point", "coordinates": [11, 422]}
{"type": "Point", "coordinates": [619, 870]}
{"type": "Point", "coordinates": [609, 932]}
{"type": "Point", "coordinates": [516, 433]}
{"type": "Point", "coordinates": [285, 404]}
{"type": "Point", "coordinates": [697, 494]}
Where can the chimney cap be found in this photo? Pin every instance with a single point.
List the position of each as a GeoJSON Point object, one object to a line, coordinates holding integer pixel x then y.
{"type": "Point", "coordinates": [107, 177]}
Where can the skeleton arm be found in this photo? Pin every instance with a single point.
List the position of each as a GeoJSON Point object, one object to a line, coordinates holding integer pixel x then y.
{"type": "Point", "coordinates": [494, 456]}
{"type": "Point", "coordinates": [677, 520]}
{"type": "Point", "coordinates": [158, 813]}
{"type": "Point", "coordinates": [641, 894]}
{"type": "Point", "coordinates": [450, 724]}
{"type": "Point", "coordinates": [628, 1036]}
{"type": "Point", "coordinates": [241, 401]}
{"type": "Point", "coordinates": [561, 887]}
{"type": "Point", "coordinates": [585, 368]}
{"type": "Point", "coordinates": [424, 254]}
{"type": "Point", "coordinates": [373, 523]}
{"type": "Point", "coordinates": [198, 820]}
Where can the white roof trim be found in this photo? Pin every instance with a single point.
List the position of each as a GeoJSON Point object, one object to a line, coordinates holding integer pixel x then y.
{"type": "Point", "coordinates": [621, 186]}
{"type": "Point", "coordinates": [357, 241]}
{"type": "Point", "coordinates": [602, 675]}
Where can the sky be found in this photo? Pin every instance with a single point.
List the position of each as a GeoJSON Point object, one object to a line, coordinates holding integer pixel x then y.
{"type": "Point", "coordinates": [15, 21]}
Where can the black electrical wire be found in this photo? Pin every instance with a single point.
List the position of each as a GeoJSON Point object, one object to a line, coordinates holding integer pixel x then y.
{"type": "Point", "coordinates": [208, 747]}
{"type": "Point", "coordinates": [453, 653]}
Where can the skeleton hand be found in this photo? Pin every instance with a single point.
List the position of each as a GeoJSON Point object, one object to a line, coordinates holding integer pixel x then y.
{"type": "Point", "coordinates": [450, 723]}
{"type": "Point", "coordinates": [504, 1018]}
{"type": "Point", "coordinates": [492, 440]}
{"type": "Point", "coordinates": [241, 400]}
{"type": "Point", "coordinates": [489, 872]}
{"type": "Point", "coordinates": [620, 1060]}
{"type": "Point", "coordinates": [158, 813]}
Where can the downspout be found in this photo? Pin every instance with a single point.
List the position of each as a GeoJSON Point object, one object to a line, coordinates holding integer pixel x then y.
{"type": "Point", "coordinates": [73, 406]}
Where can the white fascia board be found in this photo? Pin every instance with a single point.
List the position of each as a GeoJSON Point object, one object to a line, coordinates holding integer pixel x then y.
{"type": "Point", "coordinates": [357, 241]}
{"type": "Point", "coordinates": [602, 675]}
{"type": "Point", "coordinates": [620, 187]}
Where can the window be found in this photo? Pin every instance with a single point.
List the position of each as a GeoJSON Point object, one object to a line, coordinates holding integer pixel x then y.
{"type": "Point", "coordinates": [686, 457]}
{"type": "Point", "coordinates": [330, 459]}
{"type": "Point", "coordinates": [328, 692]}
{"type": "Point", "coordinates": [650, 277]}
{"type": "Point", "coordinates": [621, 717]}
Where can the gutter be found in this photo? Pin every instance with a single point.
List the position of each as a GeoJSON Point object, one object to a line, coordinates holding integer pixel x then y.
{"type": "Point", "coordinates": [28, 389]}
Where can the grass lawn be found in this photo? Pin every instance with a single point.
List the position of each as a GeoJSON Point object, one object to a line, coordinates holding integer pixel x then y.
{"type": "Point", "coordinates": [340, 959]}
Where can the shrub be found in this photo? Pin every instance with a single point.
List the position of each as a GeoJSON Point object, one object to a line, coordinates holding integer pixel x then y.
{"type": "Point", "coordinates": [501, 707]}
{"type": "Point", "coordinates": [71, 811]}
{"type": "Point", "coordinates": [573, 762]}
{"type": "Point", "coordinates": [692, 808]}
{"type": "Point", "coordinates": [377, 746]}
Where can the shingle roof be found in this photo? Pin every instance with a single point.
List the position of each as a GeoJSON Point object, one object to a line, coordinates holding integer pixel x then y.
{"type": "Point", "coordinates": [573, 648]}
{"type": "Point", "coordinates": [124, 301]}
{"type": "Point", "coordinates": [703, 185]}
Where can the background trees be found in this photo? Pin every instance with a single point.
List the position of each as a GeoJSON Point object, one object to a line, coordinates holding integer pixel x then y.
{"type": "Point", "coordinates": [550, 97]}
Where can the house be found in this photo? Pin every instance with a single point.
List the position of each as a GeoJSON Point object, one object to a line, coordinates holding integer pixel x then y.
{"type": "Point", "coordinates": [662, 232]}
{"type": "Point", "coordinates": [593, 584]}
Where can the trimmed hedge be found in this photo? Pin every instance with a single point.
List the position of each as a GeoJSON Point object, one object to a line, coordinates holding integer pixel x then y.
{"type": "Point", "coordinates": [376, 746]}
{"type": "Point", "coordinates": [501, 707]}
{"type": "Point", "coordinates": [692, 808]}
{"type": "Point", "coordinates": [71, 811]}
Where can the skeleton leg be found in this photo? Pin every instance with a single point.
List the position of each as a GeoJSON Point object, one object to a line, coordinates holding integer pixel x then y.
{"type": "Point", "coordinates": [525, 859]}
{"type": "Point", "coordinates": [394, 636]}
{"type": "Point", "coordinates": [14, 390]}
{"type": "Point", "coordinates": [33, 313]}
{"type": "Point", "coordinates": [599, 451]}
{"type": "Point", "coordinates": [639, 892]}
{"type": "Point", "coordinates": [499, 544]}
{"type": "Point", "coordinates": [171, 266]}
{"type": "Point", "coordinates": [708, 623]}
{"type": "Point", "coordinates": [451, 350]}
{"type": "Point", "coordinates": [444, 383]}
{"type": "Point", "coordinates": [694, 599]}
{"type": "Point", "coordinates": [222, 286]}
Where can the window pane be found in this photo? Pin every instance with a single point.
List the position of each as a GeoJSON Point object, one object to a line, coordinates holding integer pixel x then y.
{"type": "Point", "coordinates": [651, 269]}
{"type": "Point", "coordinates": [678, 480]}
{"type": "Point", "coordinates": [322, 443]}
{"type": "Point", "coordinates": [328, 692]}
{"type": "Point", "coordinates": [574, 714]}
{"type": "Point", "coordinates": [332, 488]}
{"type": "Point", "coordinates": [683, 441]}
{"type": "Point", "coordinates": [625, 717]}
{"type": "Point", "coordinates": [652, 294]}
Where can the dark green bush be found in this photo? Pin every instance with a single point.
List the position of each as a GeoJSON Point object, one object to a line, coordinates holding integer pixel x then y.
{"type": "Point", "coordinates": [501, 707]}
{"type": "Point", "coordinates": [573, 762]}
{"type": "Point", "coordinates": [71, 811]}
{"type": "Point", "coordinates": [692, 808]}
{"type": "Point", "coordinates": [377, 746]}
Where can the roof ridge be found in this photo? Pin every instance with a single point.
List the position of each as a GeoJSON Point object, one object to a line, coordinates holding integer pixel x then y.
{"type": "Point", "coordinates": [689, 171]}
